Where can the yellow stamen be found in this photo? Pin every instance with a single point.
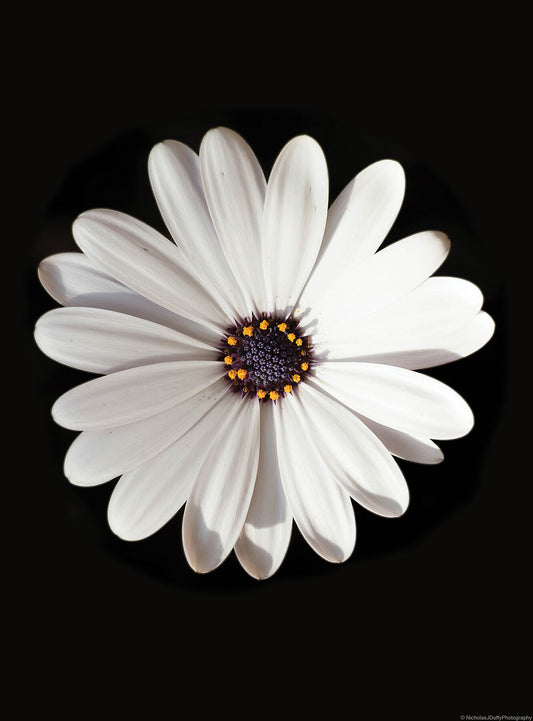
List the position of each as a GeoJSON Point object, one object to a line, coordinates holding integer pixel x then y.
{"type": "Point", "coordinates": [304, 352]}
{"type": "Point", "coordinates": [228, 360]}
{"type": "Point", "coordinates": [263, 325]}
{"type": "Point", "coordinates": [282, 327]}
{"type": "Point", "coordinates": [232, 340]}
{"type": "Point", "coordinates": [248, 330]}
{"type": "Point", "coordinates": [291, 337]}
{"type": "Point", "coordinates": [261, 393]}
{"type": "Point", "coordinates": [299, 341]}
{"type": "Point", "coordinates": [242, 373]}
{"type": "Point", "coordinates": [232, 374]}
{"type": "Point", "coordinates": [296, 378]}
{"type": "Point", "coordinates": [274, 395]}
{"type": "Point", "coordinates": [305, 366]}
{"type": "Point", "coordinates": [245, 389]}
{"type": "Point", "coordinates": [287, 388]}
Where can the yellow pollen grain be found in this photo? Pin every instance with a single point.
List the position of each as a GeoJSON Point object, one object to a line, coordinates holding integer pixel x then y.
{"type": "Point", "coordinates": [304, 352]}
{"type": "Point", "coordinates": [282, 327]}
{"type": "Point", "coordinates": [305, 366]}
{"type": "Point", "coordinates": [263, 325]}
{"type": "Point", "coordinates": [261, 393]}
{"type": "Point", "coordinates": [291, 337]}
{"type": "Point", "coordinates": [232, 340]}
{"type": "Point", "coordinates": [299, 341]}
{"type": "Point", "coordinates": [248, 330]}
{"type": "Point", "coordinates": [245, 389]}
{"type": "Point", "coordinates": [287, 388]}
{"type": "Point", "coordinates": [232, 374]}
{"type": "Point", "coordinates": [274, 395]}
{"type": "Point", "coordinates": [242, 373]}
{"type": "Point", "coordinates": [228, 360]}
{"type": "Point", "coordinates": [296, 378]}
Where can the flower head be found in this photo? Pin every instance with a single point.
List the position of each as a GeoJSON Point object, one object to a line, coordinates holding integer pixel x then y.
{"type": "Point", "coordinates": [262, 366]}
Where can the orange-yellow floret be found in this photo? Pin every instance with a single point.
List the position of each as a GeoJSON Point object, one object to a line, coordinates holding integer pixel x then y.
{"type": "Point", "coordinates": [305, 366]}
{"type": "Point", "coordinates": [274, 395]}
{"type": "Point", "coordinates": [228, 360]}
{"type": "Point", "coordinates": [304, 352]}
{"type": "Point", "coordinates": [296, 378]}
{"type": "Point", "coordinates": [248, 330]}
{"type": "Point", "coordinates": [287, 388]}
{"type": "Point", "coordinates": [299, 341]}
{"type": "Point", "coordinates": [291, 337]}
{"type": "Point", "coordinates": [282, 327]}
{"type": "Point", "coordinates": [263, 325]}
{"type": "Point", "coordinates": [261, 393]}
{"type": "Point", "coordinates": [245, 389]}
{"type": "Point", "coordinates": [232, 374]}
{"type": "Point", "coordinates": [232, 340]}
{"type": "Point", "coordinates": [242, 373]}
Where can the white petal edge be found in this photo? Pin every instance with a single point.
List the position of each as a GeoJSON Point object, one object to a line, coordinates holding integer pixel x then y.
{"type": "Point", "coordinates": [265, 537]}
{"type": "Point", "coordinates": [72, 279]}
{"type": "Point", "coordinates": [234, 187]}
{"type": "Point", "coordinates": [217, 506]}
{"type": "Point", "coordinates": [103, 341]}
{"type": "Point", "coordinates": [396, 397]}
{"type": "Point", "coordinates": [294, 220]}
{"type": "Point", "coordinates": [321, 509]}
{"type": "Point", "coordinates": [145, 261]}
{"type": "Point", "coordinates": [145, 499]}
{"type": "Point", "coordinates": [96, 457]}
{"type": "Point", "coordinates": [133, 394]}
{"type": "Point", "coordinates": [174, 171]}
{"type": "Point", "coordinates": [358, 221]}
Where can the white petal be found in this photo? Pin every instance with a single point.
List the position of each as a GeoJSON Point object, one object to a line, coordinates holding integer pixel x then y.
{"type": "Point", "coordinates": [234, 187]}
{"type": "Point", "coordinates": [147, 497]}
{"type": "Point", "coordinates": [145, 261]}
{"type": "Point", "coordinates": [102, 341]}
{"type": "Point", "coordinates": [321, 508]}
{"type": "Point", "coordinates": [403, 399]}
{"type": "Point", "coordinates": [133, 394]}
{"type": "Point", "coordinates": [174, 171]}
{"type": "Point", "coordinates": [420, 320]}
{"type": "Point", "coordinates": [358, 221]}
{"type": "Point", "coordinates": [72, 279]}
{"type": "Point", "coordinates": [357, 459]}
{"type": "Point", "coordinates": [403, 445]}
{"type": "Point", "coordinates": [365, 287]}
{"type": "Point", "coordinates": [220, 498]}
{"type": "Point", "coordinates": [98, 456]}
{"type": "Point", "coordinates": [264, 539]}
{"type": "Point", "coordinates": [294, 220]}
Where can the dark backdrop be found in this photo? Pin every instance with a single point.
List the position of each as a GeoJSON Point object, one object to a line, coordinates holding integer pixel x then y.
{"type": "Point", "coordinates": [428, 619]}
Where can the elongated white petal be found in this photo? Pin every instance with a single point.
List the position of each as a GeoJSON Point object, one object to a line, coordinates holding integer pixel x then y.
{"type": "Point", "coordinates": [234, 187]}
{"type": "Point", "coordinates": [402, 445]}
{"type": "Point", "coordinates": [133, 394]}
{"type": "Point", "coordinates": [264, 539]}
{"type": "Point", "coordinates": [174, 171]}
{"type": "Point", "coordinates": [145, 261]}
{"type": "Point", "coordinates": [220, 498]}
{"type": "Point", "coordinates": [321, 507]}
{"type": "Point", "coordinates": [379, 280]}
{"type": "Point", "coordinates": [357, 459]}
{"type": "Point", "coordinates": [421, 319]}
{"type": "Point", "coordinates": [96, 457]}
{"type": "Point", "coordinates": [103, 341]}
{"type": "Point", "coordinates": [448, 347]}
{"type": "Point", "coordinates": [294, 220]}
{"type": "Point", "coordinates": [72, 279]}
{"type": "Point", "coordinates": [146, 498]}
{"type": "Point", "coordinates": [403, 399]}
{"type": "Point", "coordinates": [358, 221]}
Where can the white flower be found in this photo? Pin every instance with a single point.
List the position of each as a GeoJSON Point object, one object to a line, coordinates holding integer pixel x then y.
{"type": "Point", "coordinates": [262, 367]}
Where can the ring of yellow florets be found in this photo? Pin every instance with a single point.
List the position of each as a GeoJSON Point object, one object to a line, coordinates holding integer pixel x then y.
{"type": "Point", "coordinates": [266, 358]}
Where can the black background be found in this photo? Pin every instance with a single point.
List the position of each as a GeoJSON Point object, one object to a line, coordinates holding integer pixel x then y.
{"type": "Point", "coordinates": [429, 618]}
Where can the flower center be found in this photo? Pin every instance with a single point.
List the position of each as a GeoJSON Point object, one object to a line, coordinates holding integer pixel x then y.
{"type": "Point", "coordinates": [266, 357]}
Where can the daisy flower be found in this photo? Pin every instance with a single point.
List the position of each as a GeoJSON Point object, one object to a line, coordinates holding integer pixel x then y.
{"type": "Point", "coordinates": [262, 366]}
